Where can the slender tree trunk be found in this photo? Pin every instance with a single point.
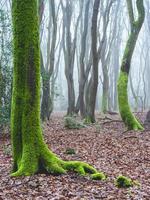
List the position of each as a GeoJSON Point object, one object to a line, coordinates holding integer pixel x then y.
{"type": "Point", "coordinates": [46, 107]}
{"type": "Point", "coordinates": [46, 100]}
{"type": "Point", "coordinates": [105, 89]}
{"type": "Point", "coordinates": [83, 77]}
{"type": "Point", "coordinates": [116, 73]}
{"type": "Point", "coordinates": [1, 91]}
{"type": "Point", "coordinates": [69, 53]}
{"type": "Point", "coordinates": [127, 116]}
{"type": "Point", "coordinates": [84, 88]}
{"type": "Point", "coordinates": [71, 94]}
{"type": "Point", "coordinates": [94, 77]}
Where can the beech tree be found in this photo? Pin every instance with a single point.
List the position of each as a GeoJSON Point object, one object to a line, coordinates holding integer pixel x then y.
{"type": "Point", "coordinates": [105, 47]}
{"type": "Point", "coordinates": [30, 153]}
{"type": "Point", "coordinates": [127, 116]}
{"type": "Point", "coordinates": [84, 70]}
{"type": "Point", "coordinates": [69, 48]}
{"type": "Point", "coordinates": [48, 70]}
{"type": "Point", "coordinates": [118, 25]}
{"type": "Point", "coordinates": [5, 66]}
{"type": "Point", "coordinates": [93, 84]}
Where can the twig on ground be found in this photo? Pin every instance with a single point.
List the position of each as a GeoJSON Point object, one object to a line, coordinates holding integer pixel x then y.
{"type": "Point", "coordinates": [112, 121]}
{"type": "Point", "coordinates": [125, 131]}
{"type": "Point", "coordinates": [132, 136]}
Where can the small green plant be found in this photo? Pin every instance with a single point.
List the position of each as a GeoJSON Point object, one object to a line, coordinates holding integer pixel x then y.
{"type": "Point", "coordinates": [123, 182]}
{"type": "Point", "coordinates": [70, 151]}
{"type": "Point", "coordinates": [72, 123]}
{"type": "Point", "coordinates": [87, 120]}
{"type": "Point", "coordinates": [98, 176]}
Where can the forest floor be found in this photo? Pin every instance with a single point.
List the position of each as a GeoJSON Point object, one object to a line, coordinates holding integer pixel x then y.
{"type": "Point", "coordinates": [105, 145]}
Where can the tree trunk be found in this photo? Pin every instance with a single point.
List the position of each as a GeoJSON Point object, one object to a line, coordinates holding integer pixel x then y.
{"type": "Point", "coordinates": [30, 153]}
{"type": "Point", "coordinates": [94, 76]}
{"type": "Point", "coordinates": [83, 76]}
{"type": "Point", "coordinates": [105, 89]}
{"type": "Point", "coordinates": [48, 70]}
{"type": "Point", "coordinates": [69, 53]}
{"type": "Point", "coordinates": [46, 100]}
{"type": "Point", "coordinates": [71, 94]}
{"type": "Point", "coordinates": [116, 72]}
{"type": "Point", "coordinates": [1, 91]}
{"type": "Point", "coordinates": [127, 116]}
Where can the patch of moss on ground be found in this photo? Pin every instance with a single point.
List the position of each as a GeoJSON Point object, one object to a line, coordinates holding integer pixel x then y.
{"type": "Point", "coordinates": [72, 123]}
{"type": "Point", "coordinates": [123, 182]}
{"type": "Point", "coordinates": [70, 151]}
{"type": "Point", "coordinates": [98, 176]}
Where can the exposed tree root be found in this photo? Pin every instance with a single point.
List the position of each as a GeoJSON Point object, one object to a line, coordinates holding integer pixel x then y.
{"type": "Point", "coordinates": [51, 164]}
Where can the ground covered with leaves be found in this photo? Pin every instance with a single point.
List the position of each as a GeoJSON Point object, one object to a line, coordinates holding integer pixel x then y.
{"type": "Point", "coordinates": [106, 145]}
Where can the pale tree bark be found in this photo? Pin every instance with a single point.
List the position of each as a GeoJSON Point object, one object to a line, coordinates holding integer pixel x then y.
{"type": "Point", "coordinates": [116, 46]}
{"type": "Point", "coordinates": [94, 76]}
{"type": "Point", "coordinates": [69, 48]}
{"type": "Point", "coordinates": [83, 72]}
{"type": "Point", "coordinates": [48, 69]}
{"type": "Point", "coordinates": [109, 19]}
{"type": "Point", "coordinates": [104, 55]}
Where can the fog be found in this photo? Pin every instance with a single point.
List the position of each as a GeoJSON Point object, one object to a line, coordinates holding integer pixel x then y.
{"type": "Point", "coordinates": [62, 32]}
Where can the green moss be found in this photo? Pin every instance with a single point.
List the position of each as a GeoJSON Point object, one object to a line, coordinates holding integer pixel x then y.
{"type": "Point", "coordinates": [50, 163]}
{"type": "Point", "coordinates": [98, 176]}
{"type": "Point", "coordinates": [123, 182]}
{"type": "Point", "coordinates": [72, 123]}
{"type": "Point", "coordinates": [81, 168]}
{"type": "Point", "coordinates": [127, 116]}
{"type": "Point", "coordinates": [70, 151]}
{"type": "Point", "coordinates": [87, 120]}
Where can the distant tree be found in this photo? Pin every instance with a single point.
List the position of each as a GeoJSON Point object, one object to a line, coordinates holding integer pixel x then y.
{"type": "Point", "coordinates": [94, 75]}
{"type": "Point", "coordinates": [127, 116]}
{"type": "Point", "coordinates": [69, 49]}
{"type": "Point", "coordinates": [47, 71]}
{"type": "Point", "coordinates": [5, 66]}
{"type": "Point", "coordinates": [30, 153]}
{"type": "Point", "coordinates": [115, 57]}
{"type": "Point", "coordinates": [104, 49]}
{"type": "Point", "coordinates": [41, 4]}
{"type": "Point", "coordinates": [69, 46]}
{"type": "Point", "coordinates": [84, 70]}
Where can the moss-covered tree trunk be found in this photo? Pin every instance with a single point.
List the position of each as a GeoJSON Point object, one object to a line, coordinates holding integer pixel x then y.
{"type": "Point", "coordinates": [30, 153]}
{"type": "Point", "coordinates": [127, 116]}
